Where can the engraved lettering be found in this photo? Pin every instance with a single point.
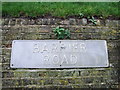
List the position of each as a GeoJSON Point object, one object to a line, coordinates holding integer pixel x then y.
{"type": "Point", "coordinates": [73, 59]}
{"type": "Point", "coordinates": [74, 47]}
{"type": "Point", "coordinates": [45, 48]}
{"type": "Point", "coordinates": [54, 47]}
{"type": "Point", "coordinates": [82, 47]}
{"type": "Point", "coordinates": [64, 60]}
{"type": "Point", "coordinates": [36, 48]}
{"type": "Point", "coordinates": [63, 46]}
{"type": "Point", "coordinates": [55, 59]}
{"type": "Point", "coordinates": [46, 58]}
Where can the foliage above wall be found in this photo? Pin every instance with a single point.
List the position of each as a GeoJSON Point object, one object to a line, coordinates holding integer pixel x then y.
{"type": "Point", "coordinates": [60, 9]}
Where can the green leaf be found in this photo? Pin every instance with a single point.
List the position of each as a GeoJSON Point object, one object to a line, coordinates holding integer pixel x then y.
{"type": "Point", "coordinates": [61, 33]}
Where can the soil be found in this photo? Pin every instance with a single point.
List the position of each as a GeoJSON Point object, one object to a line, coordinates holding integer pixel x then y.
{"type": "Point", "coordinates": [110, 17]}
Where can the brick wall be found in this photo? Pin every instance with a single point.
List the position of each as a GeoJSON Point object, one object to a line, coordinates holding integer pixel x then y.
{"type": "Point", "coordinates": [37, 29]}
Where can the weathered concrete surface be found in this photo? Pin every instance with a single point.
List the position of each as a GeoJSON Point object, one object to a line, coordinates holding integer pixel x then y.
{"type": "Point", "coordinates": [37, 29]}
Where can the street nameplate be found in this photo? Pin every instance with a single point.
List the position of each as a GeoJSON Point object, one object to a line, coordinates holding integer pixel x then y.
{"type": "Point", "coordinates": [59, 54]}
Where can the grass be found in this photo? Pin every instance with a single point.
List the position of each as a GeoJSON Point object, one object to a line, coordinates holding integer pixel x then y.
{"type": "Point", "coordinates": [59, 9]}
